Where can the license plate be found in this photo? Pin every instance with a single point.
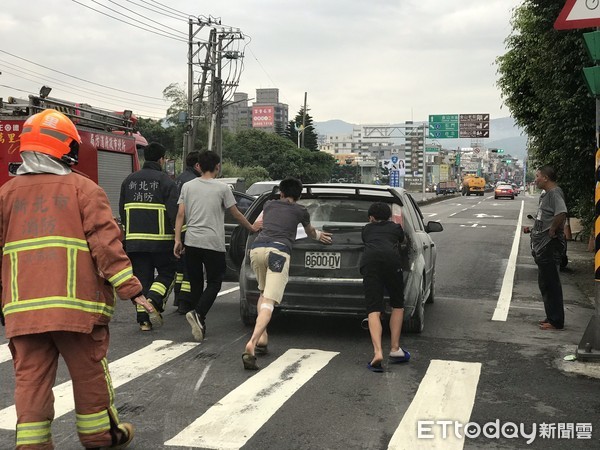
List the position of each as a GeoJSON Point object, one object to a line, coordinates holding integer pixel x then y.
{"type": "Point", "coordinates": [322, 260]}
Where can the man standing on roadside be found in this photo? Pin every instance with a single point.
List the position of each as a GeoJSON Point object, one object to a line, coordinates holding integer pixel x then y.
{"type": "Point", "coordinates": [202, 206]}
{"type": "Point", "coordinates": [183, 290]}
{"type": "Point", "coordinates": [62, 261]}
{"type": "Point", "coordinates": [148, 206]}
{"type": "Point", "coordinates": [547, 246]}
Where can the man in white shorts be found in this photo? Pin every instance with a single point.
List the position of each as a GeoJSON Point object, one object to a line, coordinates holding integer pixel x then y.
{"type": "Point", "coordinates": [270, 258]}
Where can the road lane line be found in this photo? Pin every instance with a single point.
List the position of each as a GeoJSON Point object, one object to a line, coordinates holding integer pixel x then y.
{"type": "Point", "coordinates": [503, 305]}
{"type": "Point", "coordinates": [121, 371]}
{"type": "Point", "coordinates": [447, 392]}
{"type": "Point", "coordinates": [234, 419]}
{"type": "Point", "coordinates": [5, 354]}
{"type": "Point", "coordinates": [228, 291]}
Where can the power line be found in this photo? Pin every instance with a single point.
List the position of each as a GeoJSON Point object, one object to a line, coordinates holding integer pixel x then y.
{"type": "Point", "coordinates": [128, 23]}
{"type": "Point", "coordinates": [45, 77]}
{"type": "Point", "coordinates": [171, 10]}
{"type": "Point", "coordinates": [151, 7]}
{"type": "Point", "coordinates": [77, 78]}
{"type": "Point", "coordinates": [147, 18]}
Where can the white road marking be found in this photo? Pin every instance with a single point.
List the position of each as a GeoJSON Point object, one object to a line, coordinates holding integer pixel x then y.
{"type": "Point", "coordinates": [479, 216]}
{"type": "Point", "coordinates": [431, 214]}
{"type": "Point", "coordinates": [447, 392]}
{"type": "Point", "coordinates": [503, 305]}
{"type": "Point", "coordinates": [234, 419]}
{"type": "Point", "coordinates": [5, 354]}
{"type": "Point", "coordinates": [452, 214]}
{"type": "Point", "coordinates": [121, 371]}
{"type": "Point", "coordinates": [228, 291]}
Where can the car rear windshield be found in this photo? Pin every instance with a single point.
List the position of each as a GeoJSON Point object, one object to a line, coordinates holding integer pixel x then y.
{"type": "Point", "coordinates": [336, 211]}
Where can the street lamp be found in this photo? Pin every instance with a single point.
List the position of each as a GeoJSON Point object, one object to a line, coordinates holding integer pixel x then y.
{"type": "Point", "coordinates": [299, 130]}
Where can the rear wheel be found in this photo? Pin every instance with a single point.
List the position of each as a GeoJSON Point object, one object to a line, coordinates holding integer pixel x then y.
{"type": "Point", "coordinates": [431, 297]}
{"type": "Point", "coordinates": [247, 315]}
{"type": "Point", "coordinates": [416, 323]}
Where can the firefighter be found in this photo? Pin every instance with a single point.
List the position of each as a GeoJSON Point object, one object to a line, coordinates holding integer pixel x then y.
{"type": "Point", "coordinates": [62, 260]}
{"type": "Point", "coordinates": [183, 299]}
{"type": "Point", "coordinates": [148, 206]}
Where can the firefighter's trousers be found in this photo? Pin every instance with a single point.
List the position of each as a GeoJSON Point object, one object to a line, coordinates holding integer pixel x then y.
{"type": "Point", "coordinates": [35, 359]}
{"type": "Point", "coordinates": [156, 288]}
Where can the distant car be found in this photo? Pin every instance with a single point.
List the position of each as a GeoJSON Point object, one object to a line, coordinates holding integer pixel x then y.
{"type": "Point", "coordinates": [504, 190]}
{"type": "Point", "coordinates": [326, 279]}
{"type": "Point", "coordinates": [260, 187]}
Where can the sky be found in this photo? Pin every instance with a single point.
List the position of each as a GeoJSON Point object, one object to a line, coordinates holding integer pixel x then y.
{"type": "Point", "coordinates": [364, 62]}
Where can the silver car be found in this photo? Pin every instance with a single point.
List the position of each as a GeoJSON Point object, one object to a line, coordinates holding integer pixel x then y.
{"type": "Point", "coordinates": [326, 279]}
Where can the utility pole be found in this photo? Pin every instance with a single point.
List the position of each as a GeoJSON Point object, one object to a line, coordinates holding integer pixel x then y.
{"type": "Point", "coordinates": [194, 103]}
{"type": "Point", "coordinates": [303, 120]}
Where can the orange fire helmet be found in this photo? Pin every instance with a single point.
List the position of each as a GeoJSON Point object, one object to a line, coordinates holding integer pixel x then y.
{"type": "Point", "coordinates": [52, 133]}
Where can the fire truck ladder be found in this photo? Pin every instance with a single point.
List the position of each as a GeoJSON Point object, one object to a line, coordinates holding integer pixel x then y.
{"type": "Point", "coordinates": [79, 113]}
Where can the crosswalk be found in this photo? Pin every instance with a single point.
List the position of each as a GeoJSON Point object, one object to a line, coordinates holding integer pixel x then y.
{"type": "Point", "coordinates": [446, 391]}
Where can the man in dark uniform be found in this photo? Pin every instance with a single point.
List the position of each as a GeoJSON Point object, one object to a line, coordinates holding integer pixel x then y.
{"type": "Point", "coordinates": [183, 288]}
{"type": "Point", "coordinates": [148, 207]}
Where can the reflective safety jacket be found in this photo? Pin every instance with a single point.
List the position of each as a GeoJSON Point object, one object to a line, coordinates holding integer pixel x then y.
{"type": "Point", "coordinates": [148, 207]}
{"type": "Point", "coordinates": [62, 258]}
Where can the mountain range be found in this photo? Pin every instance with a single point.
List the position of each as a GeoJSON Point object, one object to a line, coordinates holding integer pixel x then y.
{"type": "Point", "coordinates": [504, 134]}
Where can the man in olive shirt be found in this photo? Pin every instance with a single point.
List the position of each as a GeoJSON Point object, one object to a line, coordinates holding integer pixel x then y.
{"type": "Point", "coordinates": [547, 246]}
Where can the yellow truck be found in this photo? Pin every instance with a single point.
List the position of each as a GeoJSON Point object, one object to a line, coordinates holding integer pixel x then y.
{"type": "Point", "coordinates": [473, 185]}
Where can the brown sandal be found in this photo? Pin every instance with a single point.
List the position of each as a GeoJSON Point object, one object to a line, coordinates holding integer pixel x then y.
{"type": "Point", "coordinates": [249, 361]}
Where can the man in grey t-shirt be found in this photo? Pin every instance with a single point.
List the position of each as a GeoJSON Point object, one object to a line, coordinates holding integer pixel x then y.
{"type": "Point", "coordinates": [202, 205]}
{"type": "Point", "coordinates": [547, 245]}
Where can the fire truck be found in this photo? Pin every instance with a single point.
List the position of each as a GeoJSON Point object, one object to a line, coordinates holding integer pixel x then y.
{"type": "Point", "coordinates": [108, 152]}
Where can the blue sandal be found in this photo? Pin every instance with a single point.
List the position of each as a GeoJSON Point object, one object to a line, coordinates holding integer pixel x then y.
{"type": "Point", "coordinates": [399, 359]}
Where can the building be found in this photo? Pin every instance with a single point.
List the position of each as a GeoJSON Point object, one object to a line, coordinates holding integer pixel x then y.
{"type": "Point", "coordinates": [266, 113]}
{"type": "Point", "coordinates": [237, 115]}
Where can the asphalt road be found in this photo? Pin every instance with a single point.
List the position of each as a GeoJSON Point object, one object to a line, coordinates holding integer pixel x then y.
{"type": "Point", "coordinates": [314, 391]}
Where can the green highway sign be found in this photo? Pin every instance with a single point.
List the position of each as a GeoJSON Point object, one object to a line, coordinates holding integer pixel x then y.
{"type": "Point", "coordinates": [432, 150]}
{"type": "Point", "coordinates": [443, 126]}
{"type": "Point", "coordinates": [443, 118]}
{"type": "Point", "coordinates": [443, 134]}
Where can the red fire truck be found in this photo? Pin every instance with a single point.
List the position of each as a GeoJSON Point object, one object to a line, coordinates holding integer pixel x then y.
{"type": "Point", "coordinates": [108, 152]}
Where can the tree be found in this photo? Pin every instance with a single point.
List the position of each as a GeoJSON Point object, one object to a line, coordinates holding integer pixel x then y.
{"type": "Point", "coordinates": [311, 141]}
{"type": "Point", "coordinates": [278, 155]}
{"type": "Point", "coordinates": [542, 84]}
{"type": "Point", "coordinates": [175, 113]}
{"type": "Point", "coordinates": [251, 174]}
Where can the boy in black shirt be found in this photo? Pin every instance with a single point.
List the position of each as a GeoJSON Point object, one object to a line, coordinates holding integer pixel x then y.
{"type": "Point", "coordinates": [381, 268]}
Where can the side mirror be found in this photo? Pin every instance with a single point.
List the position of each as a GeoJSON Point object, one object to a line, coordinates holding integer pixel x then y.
{"type": "Point", "coordinates": [433, 227]}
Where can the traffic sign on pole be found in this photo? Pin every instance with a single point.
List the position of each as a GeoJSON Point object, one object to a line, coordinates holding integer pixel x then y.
{"type": "Point", "coordinates": [443, 126]}
{"type": "Point", "coordinates": [578, 14]}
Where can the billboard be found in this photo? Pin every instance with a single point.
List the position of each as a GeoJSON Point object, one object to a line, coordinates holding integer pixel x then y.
{"type": "Point", "coordinates": [263, 116]}
{"type": "Point", "coordinates": [394, 163]}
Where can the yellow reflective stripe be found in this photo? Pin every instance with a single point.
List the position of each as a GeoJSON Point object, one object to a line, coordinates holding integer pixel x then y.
{"type": "Point", "coordinates": [186, 287]}
{"type": "Point", "coordinates": [36, 304]}
{"type": "Point", "coordinates": [158, 288]}
{"type": "Point", "coordinates": [32, 433]}
{"type": "Point", "coordinates": [151, 237]}
{"type": "Point", "coordinates": [140, 308]}
{"type": "Point", "coordinates": [14, 271]}
{"type": "Point", "coordinates": [183, 228]}
{"type": "Point", "coordinates": [93, 423]}
{"type": "Point", "coordinates": [45, 242]}
{"type": "Point", "coordinates": [121, 277]}
{"type": "Point", "coordinates": [178, 277]}
{"type": "Point", "coordinates": [150, 206]}
{"type": "Point", "coordinates": [158, 207]}
{"type": "Point", "coordinates": [71, 273]}
{"type": "Point", "coordinates": [109, 386]}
